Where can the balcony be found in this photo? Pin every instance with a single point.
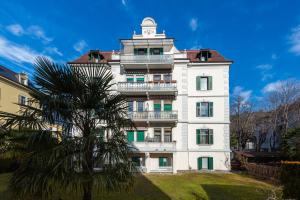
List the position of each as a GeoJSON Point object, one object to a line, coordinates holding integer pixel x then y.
{"type": "Point", "coordinates": [164, 61]}
{"type": "Point", "coordinates": [139, 88]}
{"type": "Point", "coordinates": [151, 146]}
{"type": "Point", "coordinates": [152, 116]}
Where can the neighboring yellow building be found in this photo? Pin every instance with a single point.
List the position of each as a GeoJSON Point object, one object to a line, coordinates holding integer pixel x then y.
{"type": "Point", "coordinates": [13, 89]}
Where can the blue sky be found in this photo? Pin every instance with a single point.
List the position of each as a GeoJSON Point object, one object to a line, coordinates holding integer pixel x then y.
{"type": "Point", "coordinates": [262, 36]}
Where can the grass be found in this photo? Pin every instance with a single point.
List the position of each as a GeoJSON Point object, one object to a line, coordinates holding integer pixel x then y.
{"type": "Point", "coordinates": [182, 187]}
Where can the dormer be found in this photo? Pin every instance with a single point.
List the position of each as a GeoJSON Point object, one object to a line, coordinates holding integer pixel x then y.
{"type": "Point", "coordinates": [204, 55]}
{"type": "Point", "coordinates": [95, 56]}
{"type": "Point", "coordinates": [22, 78]}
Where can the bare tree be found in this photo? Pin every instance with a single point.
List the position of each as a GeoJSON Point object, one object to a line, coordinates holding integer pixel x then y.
{"type": "Point", "coordinates": [262, 126]}
{"type": "Point", "coordinates": [241, 120]}
{"type": "Point", "coordinates": [279, 102]}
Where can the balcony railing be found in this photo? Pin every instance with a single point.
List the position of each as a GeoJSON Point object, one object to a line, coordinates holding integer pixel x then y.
{"type": "Point", "coordinates": [156, 59]}
{"type": "Point", "coordinates": [152, 115]}
{"type": "Point", "coordinates": [142, 86]}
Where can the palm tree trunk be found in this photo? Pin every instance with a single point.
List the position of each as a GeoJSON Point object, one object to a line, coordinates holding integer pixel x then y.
{"type": "Point", "coordinates": [88, 168]}
{"type": "Point", "coordinates": [87, 191]}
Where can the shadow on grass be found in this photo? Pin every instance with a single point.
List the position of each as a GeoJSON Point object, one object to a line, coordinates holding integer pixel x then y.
{"type": "Point", "coordinates": [143, 189]}
{"type": "Point", "coordinates": [220, 192]}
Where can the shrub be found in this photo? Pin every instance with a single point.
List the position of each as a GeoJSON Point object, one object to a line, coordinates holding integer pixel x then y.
{"type": "Point", "coordinates": [8, 165]}
{"type": "Point", "coordinates": [290, 179]}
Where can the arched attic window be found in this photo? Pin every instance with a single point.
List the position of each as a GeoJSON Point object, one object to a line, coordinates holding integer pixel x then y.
{"type": "Point", "coordinates": [204, 55]}
{"type": "Point", "coordinates": [95, 56]}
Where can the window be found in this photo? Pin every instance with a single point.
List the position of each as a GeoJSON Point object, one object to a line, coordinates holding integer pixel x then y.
{"type": "Point", "coordinates": [203, 83]}
{"type": "Point", "coordinates": [204, 109]}
{"type": "Point", "coordinates": [22, 100]}
{"type": "Point", "coordinates": [156, 51]}
{"type": "Point", "coordinates": [167, 105]}
{"type": "Point", "coordinates": [168, 135]}
{"type": "Point", "coordinates": [136, 161]}
{"type": "Point", "coordinates": [157, 135]}
{"type": "Point", "coordinates": [140, 106]}
{"type": "Point", "coordinates": [204, 55]}
{"type": "Point", "coordinates": [140, 79]}
{"type": "Point", "coordinates": [157, 106]}
{"type": "Point", "coordinates": [130, 136]}
{"type": "Point", "coordinates": [130, 79]}
{"type": "Point", "coordinates": [130, 106]}
{"type": "Point", "coordinates": [164, 162]}
{"type": "Point", "coordinates": [140, 136]}
{"type": "Point", "coordinates": [140, 51]}
{"type": "Point", "coordinates": [156, 77]}
{"type": "Point", "coordinates": [167, 77]}
{"type": "Point", "coordinates": [204, 136]}
{"type": "Point", "coordinates": [205, 163]}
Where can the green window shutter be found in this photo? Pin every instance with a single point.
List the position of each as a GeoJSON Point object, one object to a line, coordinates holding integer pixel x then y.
{"type": "Point", "coordinates": [197, 109]}
{"type": "Point", "coordinates": [130, 79]}
{"type": "Point", "coordinates": [161, 161]}
{"type": "Point", "coordinates": [198, 138]}
{"type": "Point", "coordinates": [161, 51]}
{"type": "Point", "coordinates": [211, 136]}
{"type": "Point", "coordinates": [101, 134]}
{"type": "Point", "coordinates": [199, 163]}
{"type": "Point", "coordinates": [211, 109]}
{"type": "Point", "coordinates": [209, 86]}
{"type": "Point", "coordinates": [210, 163]}
{"type": "Point", "coordinates": [157, 107]}
{"type": "Point", "coordinates": [198, 82]}
{"type": "Point", "coordinates": [167, 107]}
{"type": "Point", "coordinates": [141, 79]}
{"type": "Point", "coordinates": [130, 136]}
{"type": "Point", "coordinates": [140, 136]}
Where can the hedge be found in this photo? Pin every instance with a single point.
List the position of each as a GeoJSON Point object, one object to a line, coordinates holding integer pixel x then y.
{"type": "Point", "coordinates": [290, 179]}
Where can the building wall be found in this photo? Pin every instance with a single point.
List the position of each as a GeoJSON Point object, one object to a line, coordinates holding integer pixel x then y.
{"type": "Point", "coordinates": [9, 96]}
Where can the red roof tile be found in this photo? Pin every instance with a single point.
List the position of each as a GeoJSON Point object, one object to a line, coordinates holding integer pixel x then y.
{"type": "Point", "coordinates": [215, 56]}
{"type": "Point", "coordinates": [192, 55]}
{"type": "Point", "coordinates": [85, 58]}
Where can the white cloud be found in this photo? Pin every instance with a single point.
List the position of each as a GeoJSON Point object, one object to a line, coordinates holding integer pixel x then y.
{"type": "Point", "coordinates": [240, 91]}
{"type": "Point", "coordinates": [193, 24]}
{"type": "Point", "coordinates": [196, 45]}
{"type": "Point", "coordinates": [16, 53]}
{"type": "Point", "coordinates": [15, 29]}
{"type": "Point", "coordinates": [264, 66]}
{"type": "Point", "coordinates": [39, 33]}
{"type": "Point", "coordinates": [294, 40]}
{"type": "Point", "coordinates": [124, 3]}
{"type": "Point", "coordinates": [80, 45]}
{"type": "Point", "coordinates": [33, 30]}
{"type": "Point", "coordinates": [271, 87]}
{"type": "Point", "coordinates": [53, 50]}
{"type": "Point", "coordinates": [274, 56]}
{"type": "Point", "coordinates": [265, 71]}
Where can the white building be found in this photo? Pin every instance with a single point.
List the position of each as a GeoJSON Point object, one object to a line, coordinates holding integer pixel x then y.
{"type": "Point", "coordinates": [179, 101]}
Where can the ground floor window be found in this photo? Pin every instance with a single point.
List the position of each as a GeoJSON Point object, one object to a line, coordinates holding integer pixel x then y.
{"type": "Point", "coordinates": [136, 161]}
{"type": "Point", "coordinates": [164, 162]}
{"type": "Point", "coordinates": [140, 136]}
{"type": "Point", "coordinates": [130, 136]}
{"type": "Point", "coordinates": [205, 163]}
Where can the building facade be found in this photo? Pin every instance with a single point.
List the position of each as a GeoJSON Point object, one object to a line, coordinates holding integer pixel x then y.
{"type": "Point", "coordinates": [179, 101]}
{"type": "Point", "coordinates": [14, 90]}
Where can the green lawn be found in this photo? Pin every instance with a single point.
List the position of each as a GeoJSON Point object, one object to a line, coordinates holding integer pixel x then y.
{"type": "Point", "coordinates": [182, 187]}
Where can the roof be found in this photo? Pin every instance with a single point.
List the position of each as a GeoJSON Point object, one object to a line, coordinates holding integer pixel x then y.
{"type": "Point", "coordinates": [85, 57]}
{"type": "Point", "coordinates": [192, 55]}
{"type": "Point", "coordinates": [7, 73]}
{"type": "Point", "coordinates": [215, 56]}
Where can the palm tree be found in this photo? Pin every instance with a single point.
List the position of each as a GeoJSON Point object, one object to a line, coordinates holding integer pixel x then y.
{"type": "Point", "coordinates": [88, 151]}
